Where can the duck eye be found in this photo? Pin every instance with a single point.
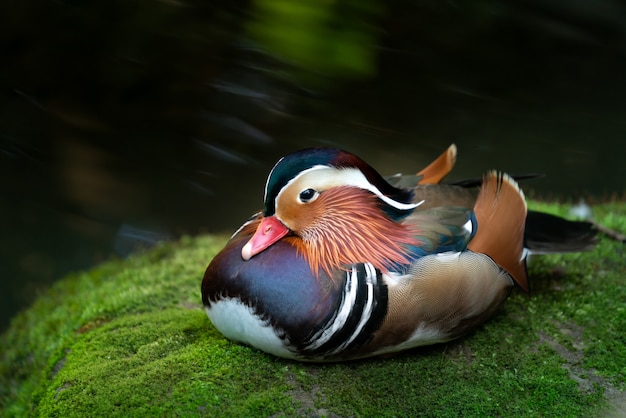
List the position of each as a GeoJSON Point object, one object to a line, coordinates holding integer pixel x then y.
{"type": "Point", "coordinates": [307, 195]}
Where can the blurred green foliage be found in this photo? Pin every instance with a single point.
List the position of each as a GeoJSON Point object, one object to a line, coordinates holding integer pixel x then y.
{"type": "Point", "coordinates": [321, 39]}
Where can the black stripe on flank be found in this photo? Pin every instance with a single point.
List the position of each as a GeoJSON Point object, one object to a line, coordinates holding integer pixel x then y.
{"type": "Point", "coordinates": [337, 343]}
{"type": "Point", "coordinates": [378, 313]}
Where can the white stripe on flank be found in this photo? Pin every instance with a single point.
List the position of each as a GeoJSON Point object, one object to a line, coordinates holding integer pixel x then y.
{"type": "Point", "coordinates": [343, 313]}
{"type": "Point", "coordinates": [367, 311]}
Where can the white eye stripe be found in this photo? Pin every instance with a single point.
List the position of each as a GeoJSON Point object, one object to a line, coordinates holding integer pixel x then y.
{"type": "Point", "coordinates": [322, 177]}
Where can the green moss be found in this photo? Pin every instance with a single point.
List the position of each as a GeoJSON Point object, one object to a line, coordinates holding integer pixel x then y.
{"type": "Point", "coordinates": [161, 362]}
{"type": "Point", "coordinates": [131, 338]}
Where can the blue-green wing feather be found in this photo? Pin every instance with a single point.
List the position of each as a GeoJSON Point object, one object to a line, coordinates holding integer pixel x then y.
{"type": "Point", "coordinates": [443, 229]}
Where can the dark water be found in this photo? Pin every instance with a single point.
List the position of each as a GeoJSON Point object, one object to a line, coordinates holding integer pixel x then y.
{"type": "Point", "coordinates": [125, 123]}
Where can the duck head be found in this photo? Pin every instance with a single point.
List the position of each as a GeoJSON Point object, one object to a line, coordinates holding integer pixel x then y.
{"type": "Point", "coordinates": [336, 210]}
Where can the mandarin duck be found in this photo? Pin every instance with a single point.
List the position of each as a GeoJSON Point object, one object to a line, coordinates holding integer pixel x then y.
{"type": "Point", "coordinates": [343, 264]}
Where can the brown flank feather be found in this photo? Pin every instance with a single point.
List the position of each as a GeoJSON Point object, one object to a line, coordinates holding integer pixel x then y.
{"type": "Point", "coordinates": [439, 168]}
{"type": "Point", "coordinates": [501, 214]}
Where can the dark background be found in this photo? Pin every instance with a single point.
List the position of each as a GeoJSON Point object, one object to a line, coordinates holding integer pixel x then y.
{"type": "Point", "coordinates": [126, 122]}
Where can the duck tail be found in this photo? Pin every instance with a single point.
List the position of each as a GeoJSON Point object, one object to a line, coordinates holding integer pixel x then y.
{"type": "Point", "coordinates": [438, 169]}
{"type": "Point", "coordinates": [547, 233]}
{"type": "Point", "coordinates": [501, 215]}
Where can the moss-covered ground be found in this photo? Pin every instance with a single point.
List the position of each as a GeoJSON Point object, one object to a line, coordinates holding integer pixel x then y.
{"type": "Point", "coordinates": [130, 338]}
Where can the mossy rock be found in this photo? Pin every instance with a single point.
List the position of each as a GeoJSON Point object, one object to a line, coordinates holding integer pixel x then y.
{"type": "Point", "coordinates": [130, 338]}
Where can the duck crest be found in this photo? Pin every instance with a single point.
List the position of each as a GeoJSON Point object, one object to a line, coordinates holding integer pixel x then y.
{"type": "Point", "coordinates": [292, 165]}
{"type": "Point", "coordinates": [288, 167]}
{"type": "Point", "coordinates": [346, 160]}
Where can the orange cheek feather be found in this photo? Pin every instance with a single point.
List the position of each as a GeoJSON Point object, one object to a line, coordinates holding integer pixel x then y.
{"type": "Point", "coordinates": [344, 225]}
{"type": "Point", "coordinates": [348, 226]}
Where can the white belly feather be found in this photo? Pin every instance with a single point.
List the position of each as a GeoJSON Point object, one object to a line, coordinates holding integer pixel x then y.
{"type": "Point", "coordinates": [237, 321]}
